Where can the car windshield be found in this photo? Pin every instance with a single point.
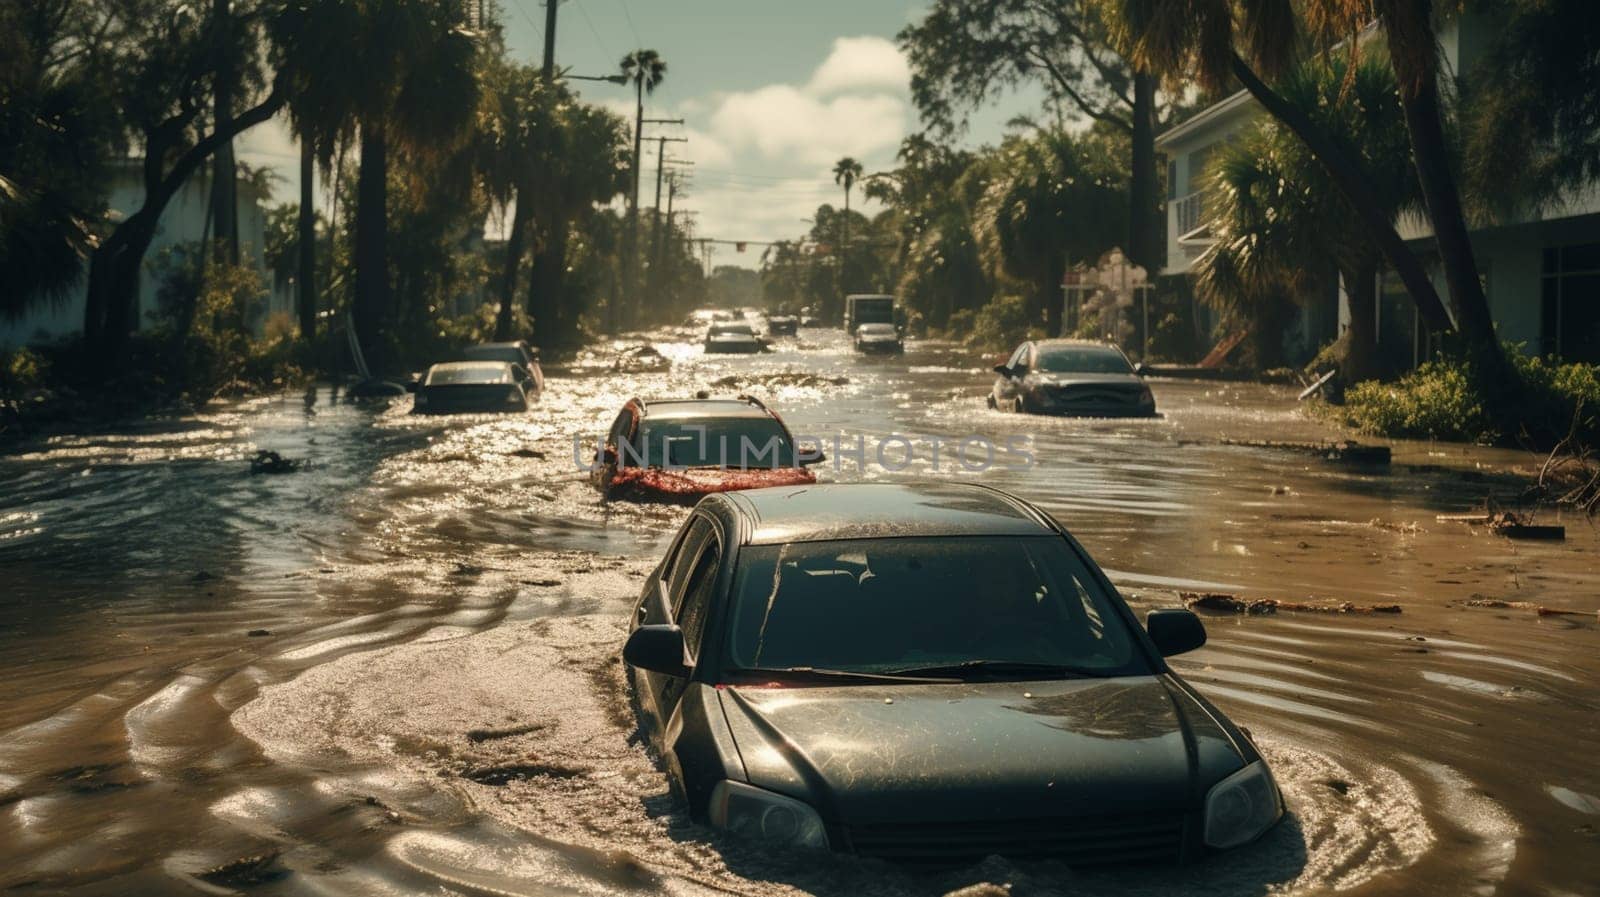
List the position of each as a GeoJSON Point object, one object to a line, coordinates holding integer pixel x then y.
{"type": "Point", "coordinates": [1081, 360]}
{"type": "Point", "coordinates": [922, 604]}
{"type": "Point", "coordinates": [731, 330]}
{"type": "Point", "coordinates": [509, 354]}
{"type": "Point", "coordinates": [739, 442]}
{"type": "Point", "coordinates": [468, 373]}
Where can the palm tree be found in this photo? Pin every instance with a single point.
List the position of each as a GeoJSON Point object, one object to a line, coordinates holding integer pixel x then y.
{"type": "Point", "coordinates": [1251, 42]}
{"type": "Point", "coordinates": [845, 173]}
{"type": "Point", "coordinates": [515, 117]}
{"type": "Point", "coordinates": [394, 74]}
{"type": "Point", "coordinates": [646, 70]}
{"type": "Point", "coordinates": [1052, 196]}
{"type": "Point", "coordinates": [1278, 222]}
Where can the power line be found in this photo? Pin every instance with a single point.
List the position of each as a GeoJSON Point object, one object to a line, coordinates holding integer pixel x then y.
{"type": "Point", "coordinates": [537, 31]}
{"type": "Point", "coordinates": [638, 42]}
{"type": "Point", "coordinates": [599, 42]}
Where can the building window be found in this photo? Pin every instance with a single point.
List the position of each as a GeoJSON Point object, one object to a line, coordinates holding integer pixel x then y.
{"type": "Point", "coordinates": [1570, 302]}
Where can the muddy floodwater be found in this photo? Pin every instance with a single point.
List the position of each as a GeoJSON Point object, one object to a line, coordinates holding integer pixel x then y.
{"type": "Point", "coordinates": [395, 671]}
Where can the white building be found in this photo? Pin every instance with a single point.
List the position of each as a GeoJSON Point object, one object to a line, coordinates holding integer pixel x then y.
{"type": "Point", "coordinates": [1541, 273]}
{"type": "Point", "coordinates": [185, 220]}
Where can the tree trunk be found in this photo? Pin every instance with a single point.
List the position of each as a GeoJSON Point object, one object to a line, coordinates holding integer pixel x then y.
{"type": "Point", "coordinates": [1361, 340]}
{"type": "Point", "coordinates": [371, 249]}
{"type": "Point", "coordinates": [1144, 225]}
{"type": "Point", "coordinates": [224, 173]}
{"type": "Point", "coordinates": [1358, 190]}
{"type": "Point", "coordinates": [1049, 288]}
{"type": "Point", "coordinates": [567, 310]}
{"type": "Point", "coordinates": [513, 263]}
{"type": "Point", "coordinates": [114, 283]}
{"type": "Point", "coordinates": [543, 301]}
{"type": "Point", "coordinates": [307, 248]}
{"type": "Point", "coordinates": [1419, 97]}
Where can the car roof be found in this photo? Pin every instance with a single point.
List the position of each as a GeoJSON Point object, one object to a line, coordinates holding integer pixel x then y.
{"type": "Point", "coordinates": [470, 365]}
{"type": "Point", "coordinates": [1074, 343]}
{"type": "Point", "coordinates": [683, 409]}
{"type": "Point", "coordinates": [881, 511]}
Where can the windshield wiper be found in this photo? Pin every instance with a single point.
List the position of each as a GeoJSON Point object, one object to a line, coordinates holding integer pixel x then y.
{"type": "Point", "coordinates": [819, 673]}
{"type": "Point", "coordinates": [1002, 668]}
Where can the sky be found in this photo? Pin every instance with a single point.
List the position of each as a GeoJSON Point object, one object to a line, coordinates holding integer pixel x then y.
{"type": "Point", "coordinates": [772, 93]}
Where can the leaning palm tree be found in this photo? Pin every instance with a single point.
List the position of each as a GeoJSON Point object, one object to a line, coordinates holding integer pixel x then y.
{"type": "Point", "coordinates": [1278, 221]}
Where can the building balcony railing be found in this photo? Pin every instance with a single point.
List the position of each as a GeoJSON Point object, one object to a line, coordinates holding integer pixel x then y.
{"type": "Point", "coordinates": [1188, 210]}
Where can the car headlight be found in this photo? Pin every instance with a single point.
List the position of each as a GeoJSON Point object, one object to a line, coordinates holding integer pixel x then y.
{"type": "Point", "coordinates": [1242, 806]}
{"type": "Point", "coordinates": [758, 813]}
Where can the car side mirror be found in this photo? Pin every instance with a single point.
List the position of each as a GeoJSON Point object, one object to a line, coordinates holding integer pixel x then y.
{"type": "Point", "coordinates": [1002, 370]}
{"type": "Point", "coordinates": [1140, 369]}
{"type": "Point", "coordinates": [657, 648]}
{"type": "Point", "coordinates": [608, 455]}
{"type": "Point", "coordinates": [1175, 631]}
{"type": "Point", "coordinates": [413, 383]}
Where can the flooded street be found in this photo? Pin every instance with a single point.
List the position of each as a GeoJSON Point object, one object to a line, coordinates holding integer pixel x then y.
{"type": "Point", "coordinates": [395, 670]}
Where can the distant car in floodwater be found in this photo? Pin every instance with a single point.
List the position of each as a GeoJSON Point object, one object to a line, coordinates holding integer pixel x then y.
{"type": "Point", "coordinates": [733, 337]}
{"type": "Point", "coordinates": [1071, 377]}
{"type": "Point", "coordinates": [514, 352]}
{"type": "Point", "coordinates": [929, 674]}
{"type": "Point", "coordinates": [681, 450]}
{"type": "Point", "coordinates": [783, 325]}
{"type": "Point", "coordinates": [879, 339]}
{"type": "Point", "coordinates": [474, 387]}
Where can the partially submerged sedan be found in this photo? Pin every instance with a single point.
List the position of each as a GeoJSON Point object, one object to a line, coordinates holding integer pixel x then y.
{"type": "Point", "coordinates": [929, 674]}
{"type": "Point", "coordinates": [678, 451]}
{"type": "Point", "coordinates": [474, 387]}
{"type": "Point", "coordinates": [516, 352]}
{"type": "Point", "coordinates": [1071, 377]}
{"type": "Point", "coordinates": [881, 339]}
{"type": "Point", "coordinates": [733, 337]}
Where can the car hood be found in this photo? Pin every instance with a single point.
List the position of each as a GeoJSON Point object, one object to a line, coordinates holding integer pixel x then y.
{"type": "Point", "coordinates": [972, 751]}
{"type": "Point", "coordinates": [1072, 379]}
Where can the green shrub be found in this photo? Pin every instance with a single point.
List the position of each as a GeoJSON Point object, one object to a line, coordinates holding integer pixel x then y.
{"type": "Point", "coordinates": [22, 370]}
{"type": "Point", "coordinates": [1438, 401]}
{"type": "Point", "coordinates": [1002, 324]}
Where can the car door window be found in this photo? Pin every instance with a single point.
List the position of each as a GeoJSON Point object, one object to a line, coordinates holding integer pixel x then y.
{"type": "Point", "coordinates": [692, 611]}
{"type": "Point", "coordinates": [694, 540]}
{"type": "Point", "coordinates": [1018, 360]}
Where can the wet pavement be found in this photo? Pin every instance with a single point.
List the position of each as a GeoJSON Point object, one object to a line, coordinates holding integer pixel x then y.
{"type": "Point", "coordinates": [393, 671]}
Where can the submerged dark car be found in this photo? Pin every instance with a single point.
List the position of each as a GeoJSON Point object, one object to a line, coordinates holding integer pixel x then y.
{"type": "Point", "coordinates": [929, 674]}
{"type": "Point", "coordinates": [474, 387]}
{"type": "Point", "coordinates": [783, 325]}
{"type": "Point", "coordinates": [1071, 377]}
{"type": "Point", "coordinates": [734, 337]}
{"type": "Point", "coordinates": [881, 339]}
{"type": "Point", "coordinates": [514, 352]}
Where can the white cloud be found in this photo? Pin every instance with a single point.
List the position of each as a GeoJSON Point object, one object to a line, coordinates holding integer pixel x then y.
{"type": "Point", "coordinates": [870, 64]}
{"type": "Point", "coordinates": [788, 126]}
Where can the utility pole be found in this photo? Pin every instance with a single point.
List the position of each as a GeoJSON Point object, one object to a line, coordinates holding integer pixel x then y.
{"type": "Point", "coordinates": [661, 149]}
{"type": "Point", "coordinates": [550, 7]}
{"type": "Point", "coordinates": [631, 261]}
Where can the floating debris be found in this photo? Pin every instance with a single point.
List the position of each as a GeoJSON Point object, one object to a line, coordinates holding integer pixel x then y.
{"type": "Point", "coordinates": [267, 461]}
{"type": "Point", "coordinates": [640, 359]}
{"type": "Point", "coordinates": [1348, 451]}
{"type": "Point", "coordinates": [1539, 609]}
{"type": "Point", "coordinates": [801, 379]}
{"type": "Point", "coordinates": [1224, 602]}
{"type": "Point", "coordinates": [1510, 524]}
{"type": "Point", "coordinates": [246, 870]}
